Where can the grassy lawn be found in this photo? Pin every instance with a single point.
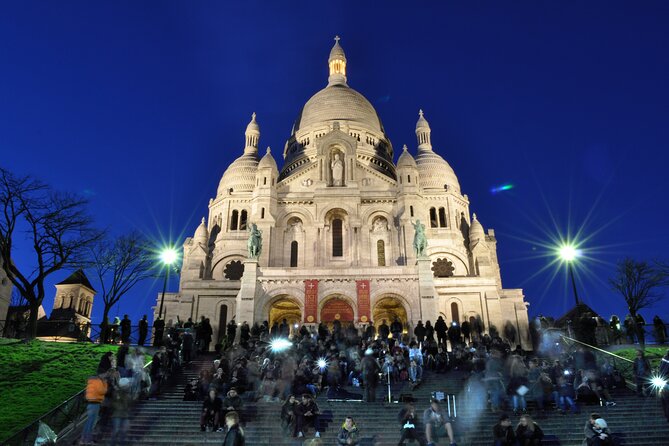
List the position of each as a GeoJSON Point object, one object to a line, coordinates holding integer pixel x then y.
{"type": "Point", "coordinates": [654, 354]}
{"type": "Point", "coordinates": [35, 377]}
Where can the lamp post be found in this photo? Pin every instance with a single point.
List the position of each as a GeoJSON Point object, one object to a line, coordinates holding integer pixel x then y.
{"type": "Point", "coordinates": [168, 256]}
{"type": "Point", "coordinates": [568, 253]}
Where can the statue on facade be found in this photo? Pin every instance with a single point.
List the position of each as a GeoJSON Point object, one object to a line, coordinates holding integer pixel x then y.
{"type": "Point", "coordinates": [419, 239]}
{"type": "Point", "coordinates": [337, 167]}
{"type": "Point", "coordinates": [254, 244]}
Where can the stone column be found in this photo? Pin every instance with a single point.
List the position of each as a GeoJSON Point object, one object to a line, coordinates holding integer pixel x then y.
{"type": "Point", "coordinates": [427, 293]}
{"type": "Point", "coordinates": [247, 292]}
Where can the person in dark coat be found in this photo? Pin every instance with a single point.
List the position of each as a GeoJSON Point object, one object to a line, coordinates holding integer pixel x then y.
{"type": "Point", "coordinates": [105, 363]}
{"type": "Point", "coordinates": [466, 330]}
{"type": "Point", "coordinates": [126, 328]}
{"type": "Point", "coordinates": [288, 414]}
{"type": "Point", "coordinates": [244, 333]}
{"type": "Point", "coordinates": [232, 402]}
{"type": "Point", "coordinates": [528, 433]}
{"type": "Point", "coordinates": [207, 333]}
{"type": "Point", "coordinates": [231, 332]}
{"type": "Point", "coordinates": [441, 329]}
{"type": "Point", "coordinates": [659, 330]}
{"type": "Point", "coordinates": [306, 412]}
{"type": "Point", "coordinates": [429, 331]}
{"type": "Point", "coordinates": [396, 329]}
{"type": "Point", "coordinates": [503, 434]}
{"type": "Point", "coordinates": [187, 346]}
{"type": "Point", "coordinates": [384, 331]}
{"type": "Point", "coordinates": [419, 332]}
{"type": "Point", "coordinates": [235, 434]}
{"type": "Point", "coordinates": [211, 411]}
{"type": "Point", "coordinates": [348, 434]}
{"type": "Point", "coordinates": [409, 424]}
{"type": "Point", "coordinates": [370, 375]}
{"type": "Point", "coordinates": [158, 332]}
{"type": "Point", "coordinates": [143, 330]}
{"type": "Point", "coordinates": [641, 372]}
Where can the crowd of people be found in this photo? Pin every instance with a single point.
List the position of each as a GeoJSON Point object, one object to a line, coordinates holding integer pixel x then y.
{"type": "Point", "coordinates": [332, 359]}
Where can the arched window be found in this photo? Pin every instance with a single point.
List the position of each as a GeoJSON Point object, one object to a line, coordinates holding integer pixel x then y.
{"type": "Point", "coordinates": [242, 220]}
{"type": "Point", "coordinates": [455, 313]}
{"type": "Point", "coordinates": [381, 252]}
{"type": "Point", "coordinates": [233, 220]}
{"type": "Point", "coordinates": [442, 217]}
{"type": "Point", "coordinates": [337, 238]}
{"type": "Point", "coordinates": [433, 218]}
{"type": "Point", "coordinates": [293, 254]}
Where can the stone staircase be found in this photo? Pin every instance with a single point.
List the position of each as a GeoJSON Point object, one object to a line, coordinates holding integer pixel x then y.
{"type": "Point", "coordinates": [171, 421]}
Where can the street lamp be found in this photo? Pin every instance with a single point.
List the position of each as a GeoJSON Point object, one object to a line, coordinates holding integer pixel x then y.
{"type": "Point", "coordinates": [168, 256]}
{"type": "Point", "coordinates": [569, 253]}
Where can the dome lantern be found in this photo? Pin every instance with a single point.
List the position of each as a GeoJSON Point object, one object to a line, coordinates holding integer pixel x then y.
{"type": "Point", "coordinates": [252, 135]}
{"type": "Point", "coordinates": [337, 64]}
{"type": "Point", "coordinates": [423, 132]}
{"type": "Point", "coordinates": [201, 235]}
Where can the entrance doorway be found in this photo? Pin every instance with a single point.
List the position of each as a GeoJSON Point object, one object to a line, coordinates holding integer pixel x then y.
{"type": "Point", "coordinates": [337, 309]}
{"type": "Point", "coordinates": [285, 308]}
{"type": "Point", "coordinates": [388, 308]}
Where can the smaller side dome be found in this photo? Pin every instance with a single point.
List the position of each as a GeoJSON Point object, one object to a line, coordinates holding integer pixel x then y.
{"type": "Point", "coordinates": [268, 161]}
{"type": "Point", "coordinates": [406, 160]}
{"type": "Point", "coordinates": [201, 234]}
{"type": "Point", "coordinates": [476, 233]}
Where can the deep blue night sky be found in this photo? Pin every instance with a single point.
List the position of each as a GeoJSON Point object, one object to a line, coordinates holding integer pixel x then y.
{"type": "Point", "coordinates": [142, 105]}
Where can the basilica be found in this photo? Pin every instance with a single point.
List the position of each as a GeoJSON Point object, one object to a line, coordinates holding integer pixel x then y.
{"type": "Point", "coordinates": [331, 234]}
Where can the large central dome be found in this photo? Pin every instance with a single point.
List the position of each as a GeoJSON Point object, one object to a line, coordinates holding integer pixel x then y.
{"type": "Point", "coordinates": [338, 102]}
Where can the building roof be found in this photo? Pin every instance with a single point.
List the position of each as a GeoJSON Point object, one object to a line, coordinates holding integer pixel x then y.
{"type": "Point", "coordinates": [78, 278]}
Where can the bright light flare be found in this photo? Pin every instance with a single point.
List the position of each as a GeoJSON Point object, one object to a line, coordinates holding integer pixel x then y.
{"type": "Point", "coordinates": [569, 253]}
{"type": "Point", "coordinates": [280, 344]}
{"type": "Point", "coordinates": [658, 383]}
{"type": "Point", "coordinates": [168, 256]}
{"type": "Point", "coordinates": [501, 188]}
{"type": "Point", "coordinates": [322, 363]}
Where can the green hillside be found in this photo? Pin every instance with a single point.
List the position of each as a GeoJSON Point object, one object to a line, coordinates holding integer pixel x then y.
{"type": "Point", "coordinates": [37, 376]}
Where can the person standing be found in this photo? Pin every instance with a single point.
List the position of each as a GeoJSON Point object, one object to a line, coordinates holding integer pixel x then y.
{"type": "Point", "coordinates": [235, 434]}
{"type": "Point", "coordinates": [419, 332]}
{"type": "Point", "coordinates": [231, 332]}
{"type": "Point", "coordinates": [660, 330]}
{"type": "Point", "coordinates": [641, 372]}
{"type": "Point", "coordinates": [96, 389]}
{"type": "Point", "coordinates": [187, 345]}
{"type": "Point", "coordinates": [121, 400]}
{"type": "Point", "coordinates": [384, 331]}
{"type": "Point", "coordinates": [207, 333]}
{"type": "Point", "coordinates": [370, 375]}
{"type": "Point", "coordinates": [441, 329]}
{"type": "Point", "coordinates": [158, 332]}
{"type": "Point", "coordinates": [143, 331]}
{"type": "Point", "coordinates": [245, 334]}
{"type": "Point", "coordinates": [126, 329]}
{"type": "Point", "coordinates": [396, 329]}
{"type": "Point", "coordinates": [429, 331]}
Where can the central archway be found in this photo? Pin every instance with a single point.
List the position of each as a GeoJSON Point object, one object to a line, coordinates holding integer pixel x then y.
{"type": "Point", "coordinates": [284, 308]}
{"type": "Point", "coordinates": [337, 309]}
{"type": "Point", "coordinates": [388, 308]}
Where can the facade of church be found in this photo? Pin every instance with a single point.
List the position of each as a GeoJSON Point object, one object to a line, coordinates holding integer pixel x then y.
{"type": "Point", "coordinates": [337, 227]}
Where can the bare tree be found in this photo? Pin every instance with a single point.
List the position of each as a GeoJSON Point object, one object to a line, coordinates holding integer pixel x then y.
{"type": "Point", "coordinates": [640, 284]}
{"type": "Point", "coordinates": [57, 227]}
{"type": "Point", "coordinates": [17, 299]}
{"type": "Point", "coordinates": [120, 264]}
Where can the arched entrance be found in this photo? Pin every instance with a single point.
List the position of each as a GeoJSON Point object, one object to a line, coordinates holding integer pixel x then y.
{"type": "Point", "coordinates": [285, 308]}
{"type": "Point", "coordinates": [388, 308]}
{"type": "Point", "coordinates": [337, 309]}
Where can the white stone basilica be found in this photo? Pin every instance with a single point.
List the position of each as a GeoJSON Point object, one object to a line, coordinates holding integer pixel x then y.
{"type": "Point", "coordinates": [337, 230]}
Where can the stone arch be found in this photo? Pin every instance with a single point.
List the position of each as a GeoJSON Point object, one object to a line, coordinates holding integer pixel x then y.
{"type": "Point", "coordinates": [461, 265]}
{"type": "Point", "coordinates": [303, 214]}
{"type": "Point", "coordinates": [283, 306]}
{"type": "Point", "coordinates": [218, 265]}
{"type": "Point", "coordinates": [341, 297]}
{"type": "Point", "coordinates": [396, 305]}
{"type": "Point", "coordinates": [447, 310]}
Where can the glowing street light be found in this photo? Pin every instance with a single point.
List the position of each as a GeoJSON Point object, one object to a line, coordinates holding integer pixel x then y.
{"type": "Point", "coordinates": [168, 256]}
{"type": "Point", "coordinates": [569, 253]}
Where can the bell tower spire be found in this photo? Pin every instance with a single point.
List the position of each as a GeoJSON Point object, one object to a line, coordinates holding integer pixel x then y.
{"type": "Point", "coordinates": [337, 64]}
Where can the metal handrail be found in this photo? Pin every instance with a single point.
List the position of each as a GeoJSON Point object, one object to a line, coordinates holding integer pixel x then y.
{"type": "Point", "coordinates": [597, 348]}
{"type": "Point", "coordinates": [27, 435]}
